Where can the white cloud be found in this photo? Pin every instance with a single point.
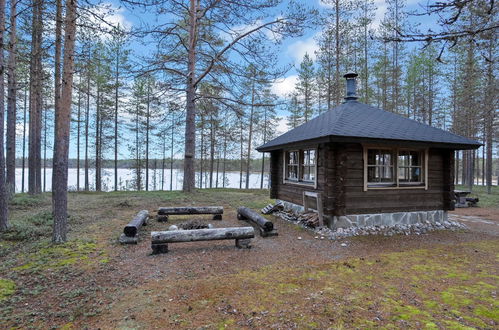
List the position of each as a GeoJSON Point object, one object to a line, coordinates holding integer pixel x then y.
{"type": "Point", "coordinates": [299, 48]}
{"type": "Point", "coordinates": [282, 87]}
{"type": "Point", "coordinates": [106, 15]}
{"type": "Point", "coordinates": [381, 8]}
{"type": "Point", "coordinates": [282, 125]}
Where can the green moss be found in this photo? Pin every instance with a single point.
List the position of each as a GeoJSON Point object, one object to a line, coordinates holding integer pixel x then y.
{"type": "Point", "coordinates": [492, 313]}
{"type": "Point", "coordinates": [51, 256]}
{"type": "Point", "coordinates": [430, 325]}
{"type": "Point", "coordinates": [449, 324]}
{"type": "Point", "coordinates": [7, 288]}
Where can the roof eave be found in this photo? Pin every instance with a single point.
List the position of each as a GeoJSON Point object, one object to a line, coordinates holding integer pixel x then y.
{"type": "Point", "coordinates": [333, 138]}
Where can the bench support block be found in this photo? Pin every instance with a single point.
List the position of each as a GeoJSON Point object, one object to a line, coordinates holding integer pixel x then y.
{"type": "Point", "coordinates": [124, 239]}
{"type": "Point", "coordinates": [162, 218]}
{"type": "Point", "coordinates": [159, 248]}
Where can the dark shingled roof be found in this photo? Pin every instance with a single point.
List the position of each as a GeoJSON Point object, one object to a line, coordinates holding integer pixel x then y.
{"type": "Point", "coordinates": [353, 119]}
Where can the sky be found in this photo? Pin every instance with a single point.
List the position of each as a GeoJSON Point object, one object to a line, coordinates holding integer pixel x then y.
{"type": "Point", "coordinates": [291, 50]}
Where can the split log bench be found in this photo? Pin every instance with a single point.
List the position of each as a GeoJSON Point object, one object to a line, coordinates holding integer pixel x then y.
{"type": "Point", "coordinates": [266, 227]}
{"type": "Point", "coordinates": [130, 232]}
{"type": "Point", "coordinates": [161, 239]}
{"type": "Point", "coordinates": [164, 212]}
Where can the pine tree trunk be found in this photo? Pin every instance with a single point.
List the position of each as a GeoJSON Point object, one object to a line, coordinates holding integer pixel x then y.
{"type": "Point", "coordinates": [190, 119]}
{"type": "Point", "coordinates": [98, 186]}
{"type": "Point", "coordinates": [78, 129]}
{"type": "Point", "coordinates": [45, 150]}
{"type": "Point", "coordinates": [241, 156]}
{"type": "Point", "coordinates": [138, 176]}
{"type": "Point", "coordinates": [60, 167]}
{"type": "Point", "coordinates": [11, 102]}
{"type": "Point", "coordinates": [224, 160]}
{"type": "Point", "coordinates": [163, 160]}
{"type": "Point", "coordinates": [35, 104]}
{"type": "Point", "coordinates": [116, 105]}
{"type": "Point", "coordinates": [4, 214]}
{"type": "Point", "coordinates": [148, 115]}
{"type": "Point", "coordinates": [171, 153]}
{"type": "Point", "coordinates": [57, 86]}
{"type": "Point", "coordinates": [25, 114]}
{"type": "Point", "coordinates": [490, 112]}
{"type": "Point", "coordinates": [87, 124]}
{"type": "Point", "coordinates": [201, 165]}
{"type": "Point", "coordinates": [250, 134]}
{"type": "Point", "coordinates": [212, 149]}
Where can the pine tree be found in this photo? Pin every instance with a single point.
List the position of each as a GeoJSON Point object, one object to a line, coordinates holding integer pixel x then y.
{"type": "Point", "coordinates": [306, 87]}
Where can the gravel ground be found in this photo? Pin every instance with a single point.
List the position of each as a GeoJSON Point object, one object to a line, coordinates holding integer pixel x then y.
{"type": "Point", "coordinates": [293, 244]}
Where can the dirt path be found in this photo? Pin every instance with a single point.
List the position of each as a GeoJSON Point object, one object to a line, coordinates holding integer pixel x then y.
{"type": "Point", "coordinates": [93, 282]}
{"type": "Point", "coordinates": [217, 260]}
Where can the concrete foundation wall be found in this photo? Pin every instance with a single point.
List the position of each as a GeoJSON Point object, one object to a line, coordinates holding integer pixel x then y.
{"type": "Point", "coordinates": [378, 219]}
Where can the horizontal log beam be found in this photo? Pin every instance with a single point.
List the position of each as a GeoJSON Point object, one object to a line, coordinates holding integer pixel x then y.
{"type": "Point", "coordinates": [244, 213]}
{"type": "Point", "coordinates": [178, 236]}
{"type": "Point", "coordinates": [133, 227]}
{"type": "Point", "coordinates": [190, 210]}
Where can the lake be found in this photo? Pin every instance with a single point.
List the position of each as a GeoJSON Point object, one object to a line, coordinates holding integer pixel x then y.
{"type": "Point", "coordinates": [126, 179]}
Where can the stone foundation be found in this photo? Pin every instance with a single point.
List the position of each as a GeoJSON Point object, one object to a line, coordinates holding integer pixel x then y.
{"type": "Point", "coordinates": [377, 219]}
{"type": "Point", "coordinates": [389, 219]}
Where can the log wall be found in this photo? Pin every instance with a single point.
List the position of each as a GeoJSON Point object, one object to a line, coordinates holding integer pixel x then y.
{"type": "Point", "coordinates": [340, 180]}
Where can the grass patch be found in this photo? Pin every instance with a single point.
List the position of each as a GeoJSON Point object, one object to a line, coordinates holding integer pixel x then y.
{"type": "Point", "coordinates": [49, 256]}
{"type": "Point", "coordinates": [7, 288]}
{"type": "Point", "coordinates": [486, 200]}
{"type": "Point", "coordinates": [30, 227]}
{"type": "Point", "coordinates": [355, 293]}
{"type": "Point", "coordinates": [23, 201]}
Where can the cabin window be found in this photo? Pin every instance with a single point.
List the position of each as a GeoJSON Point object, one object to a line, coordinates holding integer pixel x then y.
{"type": "Point", "coordinates": [308, 165]}
{"type": "Point", "coordinates": [301, 166]}
{"type": "Point", "coordinates": [410, 167]}
{"type": "Point", "coordinates": [292, 165]}
{"type": "Point", "coordinates": [393, 167]}
{"type": "Point", "coordinates": [380, 166]}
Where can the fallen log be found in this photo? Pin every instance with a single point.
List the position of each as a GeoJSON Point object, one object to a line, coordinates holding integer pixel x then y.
{"type": "Point", "coordinates": [244, 213]}
{"type": "Point", "coordinates": [164, 212]}
{"type": "Point", "coordinates": [161, 239]}
{"type": "Point", "coordinates": [133, 227]}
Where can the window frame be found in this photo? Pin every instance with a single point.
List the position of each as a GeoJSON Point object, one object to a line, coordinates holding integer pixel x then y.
{"type": "Point", "coordinates": [396, 184]}
{"type": "Point", "coordinates": [286, 164]}
{"type": "Point", "coordinates": [300, 181]}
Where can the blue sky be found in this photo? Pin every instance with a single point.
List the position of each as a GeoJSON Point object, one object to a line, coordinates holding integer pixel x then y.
{"type": "Point", "coordinates": [291, 50]}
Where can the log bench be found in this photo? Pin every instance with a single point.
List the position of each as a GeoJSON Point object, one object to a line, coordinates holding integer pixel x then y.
{"type": "Point", "coordinates": [265, 227]}
{"type": "Point", "coordinates": [131, 230]}
{"type": "Point", "coordinates": [165, 212]}
{"type": "Point", "coordinates": [161, 239]}
{"type": "Point", "coordinates": [462, 199]}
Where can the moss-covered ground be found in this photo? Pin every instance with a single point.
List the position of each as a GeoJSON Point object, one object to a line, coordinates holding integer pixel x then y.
{"type": "Point", "coordinates": [440, 280]}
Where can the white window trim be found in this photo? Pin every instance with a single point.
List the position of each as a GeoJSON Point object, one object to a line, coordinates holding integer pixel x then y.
{"type": "Point", "coordinates": [396, 184]}
{"type": "Point", "coordinates": [299, 182]}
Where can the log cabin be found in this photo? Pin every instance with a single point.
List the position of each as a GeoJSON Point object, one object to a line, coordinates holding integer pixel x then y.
{"type": "Point", "coordinates": [365, 166]}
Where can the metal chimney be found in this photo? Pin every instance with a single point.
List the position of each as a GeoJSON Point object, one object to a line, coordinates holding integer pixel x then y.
{"type": "Point", "coordinates": [351, 78]}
